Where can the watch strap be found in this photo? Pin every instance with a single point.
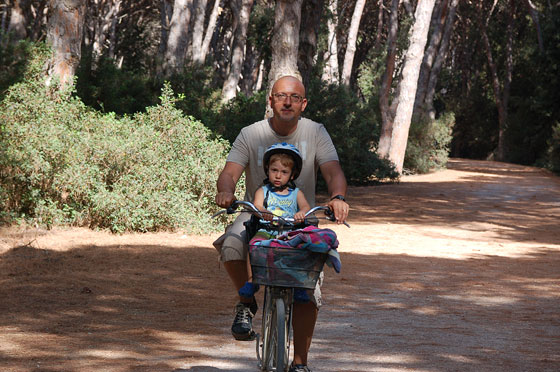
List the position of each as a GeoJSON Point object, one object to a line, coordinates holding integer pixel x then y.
{"type": "Point", "coordinates": [339, 197]}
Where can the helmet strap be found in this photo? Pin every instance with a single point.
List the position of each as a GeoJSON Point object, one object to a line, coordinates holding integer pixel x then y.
{"type": "Point", "coordinates": [290, 185]}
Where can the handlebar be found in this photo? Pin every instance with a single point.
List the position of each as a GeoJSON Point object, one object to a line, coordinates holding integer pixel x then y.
{"type": "Point", "coordinates": [281, 221]}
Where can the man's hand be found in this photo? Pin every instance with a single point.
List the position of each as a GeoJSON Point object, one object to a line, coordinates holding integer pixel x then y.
{"type": "Point", "coordinates": [225, 198]}
{"type": "Point", "coordinates": [340, 209]}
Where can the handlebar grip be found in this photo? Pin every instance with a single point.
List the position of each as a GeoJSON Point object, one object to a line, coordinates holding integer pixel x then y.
{"type": "Point", "coordinates": [232, 208]}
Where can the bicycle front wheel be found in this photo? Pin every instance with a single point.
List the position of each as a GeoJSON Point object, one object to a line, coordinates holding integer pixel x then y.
{"type": "Point", "coordinates": [275, 340]}
{"type": "Point", "coordinates": [282, 336]}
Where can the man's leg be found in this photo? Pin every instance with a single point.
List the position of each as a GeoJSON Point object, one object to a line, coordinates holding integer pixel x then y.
{"type": "Point", "coordinates": [237, 271]}
{"type": "Point", "coordinates": [303, 323]}
{"type": "Point", "coordinates": [233, 251]}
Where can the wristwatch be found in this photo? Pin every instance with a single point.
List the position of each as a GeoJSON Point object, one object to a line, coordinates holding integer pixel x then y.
{"type": "Point", "coordinates": [339, 197]}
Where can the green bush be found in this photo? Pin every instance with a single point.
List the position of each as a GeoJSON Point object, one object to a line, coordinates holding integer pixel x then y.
{"type": "Point", "coordinates": [229, 119]}
{"type": "Point", "coordinates": [554, 150]}
{"type": "Point", "coordinates": [63, 163]}
{"type": "Point", "coordinates": [111, 89]}
{"type": "Point", "coordinates": [354, 128]}
{"type": "Point", "coordinates": [428, 144]}
{"type": "Point", "coordinates": [13, 59]}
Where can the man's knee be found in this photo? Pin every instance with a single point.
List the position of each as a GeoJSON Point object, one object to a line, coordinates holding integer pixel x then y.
{"type": "Point", "coordinates": [232, 245]}
{"type": "Point", "coordinates": [232, 253]}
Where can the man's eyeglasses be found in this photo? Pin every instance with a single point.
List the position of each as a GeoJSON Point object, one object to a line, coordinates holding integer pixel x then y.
{"type": "Point", "coordinates": [281, 97]}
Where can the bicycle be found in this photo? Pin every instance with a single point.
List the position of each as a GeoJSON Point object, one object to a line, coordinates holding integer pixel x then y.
{"type": "Point", "coordinates": [273, 346]}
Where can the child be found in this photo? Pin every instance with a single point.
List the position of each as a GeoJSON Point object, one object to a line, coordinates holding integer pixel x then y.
{"type": "Point", "coordinates": [279, 197]}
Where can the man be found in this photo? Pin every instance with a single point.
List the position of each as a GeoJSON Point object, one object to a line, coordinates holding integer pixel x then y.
{"type": "Point", "coordinates": [288, 101]}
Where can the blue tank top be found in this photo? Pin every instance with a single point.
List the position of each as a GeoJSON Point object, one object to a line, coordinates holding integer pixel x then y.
{"type": "Point", "coordinates": [281, 205]}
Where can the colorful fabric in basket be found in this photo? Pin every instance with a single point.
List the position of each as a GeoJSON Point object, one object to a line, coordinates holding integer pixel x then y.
{"type": "Point", "coordinates": [315, 240]}
{"type": "Point", "coordinates": [297, 244]}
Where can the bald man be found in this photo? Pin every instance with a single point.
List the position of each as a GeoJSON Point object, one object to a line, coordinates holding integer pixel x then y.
{"type": "Point", "coordinates": [288, 101]}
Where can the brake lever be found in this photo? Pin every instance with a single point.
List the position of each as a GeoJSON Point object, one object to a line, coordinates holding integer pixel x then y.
{"type": "Point", "coordinates": [229, 210]}
{"type": "Point", "coordinates": [330, 216]}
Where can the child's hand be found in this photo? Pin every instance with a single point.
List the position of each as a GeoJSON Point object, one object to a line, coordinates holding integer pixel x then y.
{"type": "Point", "coordinates": [299, 217]}
{"type": "Point", "coordinates": [267, 216]}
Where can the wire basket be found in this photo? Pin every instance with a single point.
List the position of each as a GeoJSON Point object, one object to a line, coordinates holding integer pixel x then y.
{"type": "Point", "coordinates": [286, 266]}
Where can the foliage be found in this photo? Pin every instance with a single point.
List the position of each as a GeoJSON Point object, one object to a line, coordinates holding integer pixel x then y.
{"type": "Point", "coordinates": [534, 110]}
{"type": "Point", "coordinates": [111, 89]}
{"type": "Point", "coordinates": [354, 128]}
{"type": "Point", "coordinates": [229, 119]}
{"type": "Point", "coordinates": [13, 59]}
{"type": "Point", "coordinates": [63, 163]}
{"type": "Point", "coordinates": [554, 150]}
{"type": "Point", "coordinates": [533, 102]}
{"type": "Point", "coordinates": [475, 131]}
{"type": "Point", "coordinates": [428, 144]}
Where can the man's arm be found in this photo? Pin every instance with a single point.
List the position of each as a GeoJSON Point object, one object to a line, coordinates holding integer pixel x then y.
{"type": "Point", "coordinates": [227, 180]}
{"type": "Point", "coordinates": [336, 183]}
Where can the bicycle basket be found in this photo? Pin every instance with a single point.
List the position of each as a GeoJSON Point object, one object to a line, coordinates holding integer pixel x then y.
{"type": "Point", "coordinates": [286, 266]}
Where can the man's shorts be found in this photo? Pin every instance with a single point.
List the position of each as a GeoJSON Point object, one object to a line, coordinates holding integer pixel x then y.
{"type": "Point", "coordinates": [232, 246]}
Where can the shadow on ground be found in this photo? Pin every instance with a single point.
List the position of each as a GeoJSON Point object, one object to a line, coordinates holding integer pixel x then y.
{"type": "Point", "coordinates": [522, 203]}
{"type": "Point", "coordinates": [151, 308]}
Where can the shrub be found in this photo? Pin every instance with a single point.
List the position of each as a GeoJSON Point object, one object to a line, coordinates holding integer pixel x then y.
{"type": "Point", "coordinates": [354, 128]}
{"type": "Point", "coordinates": [13, 59]}
{"type": "Point", "coordinates": [229, 119]}
{"type": "Point", "coordinates": [111, 89]}
{"type": "Point", "coordinates": [428, 144]}
{"type": "Point", "coordinates": [554, 150]}
{"type": "Point", "coordinates": [63, 163]}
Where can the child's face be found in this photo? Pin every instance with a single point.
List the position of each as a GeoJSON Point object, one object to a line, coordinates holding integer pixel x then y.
{"type": "Point", "coordinates": [279, 174]}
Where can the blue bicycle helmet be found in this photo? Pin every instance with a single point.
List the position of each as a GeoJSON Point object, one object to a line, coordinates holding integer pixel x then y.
{"type": "Point", "coordinates": [284, 148]}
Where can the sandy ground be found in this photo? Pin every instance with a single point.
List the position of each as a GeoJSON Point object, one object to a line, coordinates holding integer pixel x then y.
{"type": "Point", "coordinates": [453, 271]}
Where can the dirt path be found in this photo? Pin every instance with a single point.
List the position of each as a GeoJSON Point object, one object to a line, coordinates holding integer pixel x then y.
{"type": "Point", "coordinates": [453, 271]}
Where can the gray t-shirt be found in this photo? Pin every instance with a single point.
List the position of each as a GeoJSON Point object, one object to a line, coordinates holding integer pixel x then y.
{"type": "Point", "coordinates": [311, 139]}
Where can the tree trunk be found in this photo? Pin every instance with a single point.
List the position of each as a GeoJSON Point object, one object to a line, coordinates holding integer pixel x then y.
{"type": "Point", "coordinates": [379, 30]}
{"type": "Point", "coordinates": [198, 30]}
{"type": "Point", "coordinates": [64, 34]}
{"type": "Point", "coordinates": [250, 69]}
{"type": "Point", "coordinates": [501, 97]}
{"type": "Point", "coordinates": [209, 32]}
{"type": "Point", "coordinates": [351, 42]}
{"type": "Point", "coordinates": [106, 13]}
{"type": "Point", "coordinates": [535, 16]}
{"type": "Point", "coordinates": [229, 89]}
{"type": "Point", "coordinates": [330, 71]}
{"type": "Point", "coordinates": [166, 12]}
{"type": "Point", "coordinates": [285, 43]}
{"type": "Point", "coordinates": [310, 22]}
{"type": "Point", "coordinates": [3, 23]}
{"type": "Point", "coordinates": [177, 42]}
{"type": "Point", "coordinates": [408, 85]}
{"type": "Point", "coordinates": [440, 58]}
{"type": "Point", "coordinates": [17, 25]}
{"type": "Point", "coordinates": [113, 30]}
{"type": "Point", "coordinates": [221, 45]}
{"type": "Point", "coordinates": [438, 21]}
{"type": "Point", "coordinates": [39, 20]}
{"type": "Point", "coordinates": [387, 81]}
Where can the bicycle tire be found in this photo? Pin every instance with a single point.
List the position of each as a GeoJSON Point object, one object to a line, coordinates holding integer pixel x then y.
{"type": "Point", "coordinates": [268, 345]}
{"type": "Point", "coordinates": [281, 336]}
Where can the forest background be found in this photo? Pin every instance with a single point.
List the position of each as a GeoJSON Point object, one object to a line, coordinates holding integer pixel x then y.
{"type": "Point", "coordinates": [119, 114]}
